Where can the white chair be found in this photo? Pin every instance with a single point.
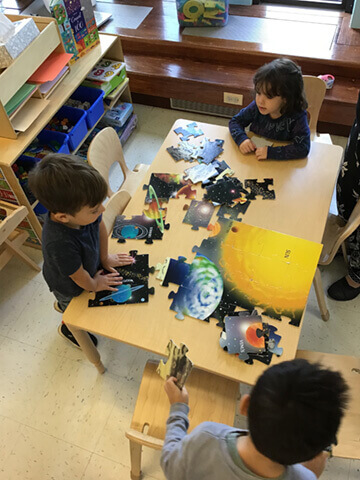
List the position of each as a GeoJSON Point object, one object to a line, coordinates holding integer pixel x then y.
{"type": "Point", "coordinates": [315, 90]}
{"type": "Point", "coordinates": [105, 150]}
{"type": "Point", "coordinates": [113, 207]}
{"type": "Point", "coordinates": [336, 232]}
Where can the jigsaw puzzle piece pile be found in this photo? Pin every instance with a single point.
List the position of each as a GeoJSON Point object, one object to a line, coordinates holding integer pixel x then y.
{"type": "Point", "coordinates": [246, 335]}
{"type": "Point", "coordinates": [135, 284]}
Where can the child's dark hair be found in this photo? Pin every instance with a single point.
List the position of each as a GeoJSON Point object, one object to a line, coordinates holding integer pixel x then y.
{"type": "Point", "coordinates": [295, 411]}
{"type": "Point", "coordinates": [283, 78]}
{"type": "Point", "coordinates": [66, 184]}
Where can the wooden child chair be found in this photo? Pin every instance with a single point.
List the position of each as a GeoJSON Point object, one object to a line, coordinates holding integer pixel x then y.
{"type": "Point", "coordinates": [113, 207]}
{"type": "Point", "coordinates": [211, 397]}
{"type": "Point", "coordinates": [10, 238]}
{"type": "Point", "coordinates": [348, 435]}
{"type": "Point", "coordinates": [336, 232]}
{"type": "Point", "coordinates": [315, 90]}
{"type": "Point", "coordinates": [105, 150]}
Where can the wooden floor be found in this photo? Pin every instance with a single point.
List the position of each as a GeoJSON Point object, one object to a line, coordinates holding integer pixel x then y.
{"type": "Point", "coordinates": [162, 63]}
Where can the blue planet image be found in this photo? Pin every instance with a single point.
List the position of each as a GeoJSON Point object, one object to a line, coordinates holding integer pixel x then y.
{"type": "Point", "coordinates": [129, 231]}
{"type": "Point", "coordinates": [123, 293]}
{"type": "Point", "coordinates": [201, 291]}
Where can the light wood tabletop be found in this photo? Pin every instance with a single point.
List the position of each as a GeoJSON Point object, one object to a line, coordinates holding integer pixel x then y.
{"type": "Point", "coordinates": [303, 194]}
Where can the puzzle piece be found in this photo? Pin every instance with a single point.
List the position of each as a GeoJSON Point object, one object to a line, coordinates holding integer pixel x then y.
{"type": "Point", "coordinates": [260, 188]}
{"type": "Point", "coordinates": [177, 365]}
{"type": "Point", "coordinates": [139, 227]}
{"type": "Point", "coordinates": [227, 190]}
{"type": "Point", "coordinates": [134, 288]}
{"type": "Point", "coordinates": [176, 271]}
{"type": "Point", "coordinates": [199, 214]}
{"type": "Point", "coordinates": [190, 130]}
{"type": "Point", "coordinates": [184, 151]}
{"type": "Point", "coordinates": [201, 172]}
{"type": "Point", "coordinates": [235, 211]}
{"type": "Point", "coordinates": [200, 293]}
{"type": "Point", "coordinates": [273, 340]}
{"type": "Point", "coordinates": [168, 185]}
{"type": "Point", "coordinates": [209, 150]}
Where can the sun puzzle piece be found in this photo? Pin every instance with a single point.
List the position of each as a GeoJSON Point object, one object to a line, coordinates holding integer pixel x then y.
{"type": "Point", "coordinates": [177, 365]}
{"type": "Point", "coordinates": [191, 130]}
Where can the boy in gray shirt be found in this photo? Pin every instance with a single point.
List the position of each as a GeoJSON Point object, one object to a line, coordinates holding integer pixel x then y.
{"type": "Point", "coordinates": [294, 412]}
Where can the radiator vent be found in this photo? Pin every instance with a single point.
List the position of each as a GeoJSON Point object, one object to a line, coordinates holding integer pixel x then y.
{"type": "Point", "coordinates": [197, 107]}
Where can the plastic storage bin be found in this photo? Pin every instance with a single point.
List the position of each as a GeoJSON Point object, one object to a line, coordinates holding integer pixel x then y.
{"type": "Point", "coordinates": [77, 118]}
{"type": "Point", "coordinates": [45, 137]}
{"type": "Point", "coordinates": [202, 13]}
{"type": "Point", "coordinates": [95, 97]}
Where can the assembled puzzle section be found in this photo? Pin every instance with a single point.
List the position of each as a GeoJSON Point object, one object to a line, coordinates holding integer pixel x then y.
{"type": "Point", "coordinates": [135, 284]}
{"type": "Point", "coordinates": [169, 185]}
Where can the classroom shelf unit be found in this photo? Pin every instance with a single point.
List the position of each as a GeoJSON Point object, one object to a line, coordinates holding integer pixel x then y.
{"type": "Point", "coordinates": [12, 148]}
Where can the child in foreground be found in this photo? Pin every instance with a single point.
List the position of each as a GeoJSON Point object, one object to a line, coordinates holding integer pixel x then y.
{"type": "Point", "coordinates": [278, 112]}
{"type": "Point", "coordinates": [294, 412]}
{"type": "Point", "coordinates": [74, 237]}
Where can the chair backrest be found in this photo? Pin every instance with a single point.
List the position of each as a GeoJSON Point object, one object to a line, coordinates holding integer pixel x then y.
{"type": "Point", "coordinates": [315, 90]}
{"type": "Point", "coordinates": [115, 206]}
{"type": "Point", "coordinates": [339, 234]}
{"type": "Point", "coordinates": [104, 150]}
{"type": "Point", "coordinates": [14, 216]}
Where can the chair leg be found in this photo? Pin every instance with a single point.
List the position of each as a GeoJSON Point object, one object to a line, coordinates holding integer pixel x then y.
{"type": "Point", "coordinates": [344, 252]}
{"type": "Point", "coordinates": [325, 315]}
{"type": "Point", "coordinates": [135, 460]}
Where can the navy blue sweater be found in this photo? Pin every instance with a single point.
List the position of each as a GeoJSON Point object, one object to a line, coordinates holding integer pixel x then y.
{"type": "Point", "coordinates": [289, 127]}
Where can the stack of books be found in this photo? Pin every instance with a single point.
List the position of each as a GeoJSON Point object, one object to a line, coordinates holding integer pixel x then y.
{"type": "Point", "coordinates": [107, 75]}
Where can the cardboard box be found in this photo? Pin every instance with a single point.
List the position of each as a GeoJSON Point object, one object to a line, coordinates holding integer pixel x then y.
{"type": "Point", "coordinates": [25, 32]}
{"type": "Point", "coordinates": [76, 22]}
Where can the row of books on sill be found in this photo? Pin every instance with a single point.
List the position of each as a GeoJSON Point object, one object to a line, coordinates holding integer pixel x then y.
{"type": "Point", "coordinates": [122, 119]}
{"type": "Point", "coordinates": [108, 78]}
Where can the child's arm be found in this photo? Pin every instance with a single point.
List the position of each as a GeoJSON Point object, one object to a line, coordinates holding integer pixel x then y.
{"type": "Point", "coordinates": [298, 149]}
{"type": "Point", "coordinates": [237, 127]}
{"type": "Point", "coordinates": [177, 425]}
{"type": "Point", "coordinates": [97, 283]}
{"type": "Point", "coordinates": [109, 261]}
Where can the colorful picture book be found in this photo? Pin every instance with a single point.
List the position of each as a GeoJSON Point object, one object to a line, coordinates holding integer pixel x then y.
{"type": "Point", "coordinates": [106, 75]}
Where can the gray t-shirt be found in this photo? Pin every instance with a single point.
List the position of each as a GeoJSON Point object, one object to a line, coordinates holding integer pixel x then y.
{"type": "Point", "coordinates": [209, 452]}
{"type": "Point", "coordinates": [65, 250]}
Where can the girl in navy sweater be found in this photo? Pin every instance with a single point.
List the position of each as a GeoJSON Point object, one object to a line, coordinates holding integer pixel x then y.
{"type": "Point", "coordinates": [278, 112]}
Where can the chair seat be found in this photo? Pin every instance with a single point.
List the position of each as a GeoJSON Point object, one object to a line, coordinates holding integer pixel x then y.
{"type": "Point", "coordinates": [212, 398]}
{"type": "Point", "coordinates": [349, 433]}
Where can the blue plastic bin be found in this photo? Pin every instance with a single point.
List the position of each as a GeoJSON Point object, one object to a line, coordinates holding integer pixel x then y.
{"type": "Point", "coordinates": [95, 97]}
{"type": "Point", "coordinates": [46, 136]}
{"type": "Point", "coordinates": [77, 118]}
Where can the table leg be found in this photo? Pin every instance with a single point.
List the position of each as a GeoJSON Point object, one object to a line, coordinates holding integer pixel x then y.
{"type": "Point", "coordinates": [87, 347]}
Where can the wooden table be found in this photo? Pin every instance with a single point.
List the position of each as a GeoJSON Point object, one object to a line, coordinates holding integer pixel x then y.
{"type": "Point", "coordinates": [303, 194]}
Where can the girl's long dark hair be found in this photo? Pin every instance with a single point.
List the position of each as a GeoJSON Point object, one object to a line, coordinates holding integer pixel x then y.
{"type": "Point", "coordinates": [282, 77]}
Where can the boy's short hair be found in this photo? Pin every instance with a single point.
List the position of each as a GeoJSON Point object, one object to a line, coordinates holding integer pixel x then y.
{"type": "Point", "coordinates": [295, 411]}
{"type": "Point", "coordinates": [66, 183]}
{"type": "Point", "coordinates": [282, 77]}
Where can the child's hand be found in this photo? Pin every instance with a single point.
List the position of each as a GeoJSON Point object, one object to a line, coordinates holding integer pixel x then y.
{"type": "Point", "coordinates": [116, 260]}
{"type": "Point", "coordinates": [107, 282]}
{"type": "Point", "coordinates": [247, 146]}
{"type": "Point", "coordinates": [174, 393]}
{"type": "Point", "coordinates": [261, 153]}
